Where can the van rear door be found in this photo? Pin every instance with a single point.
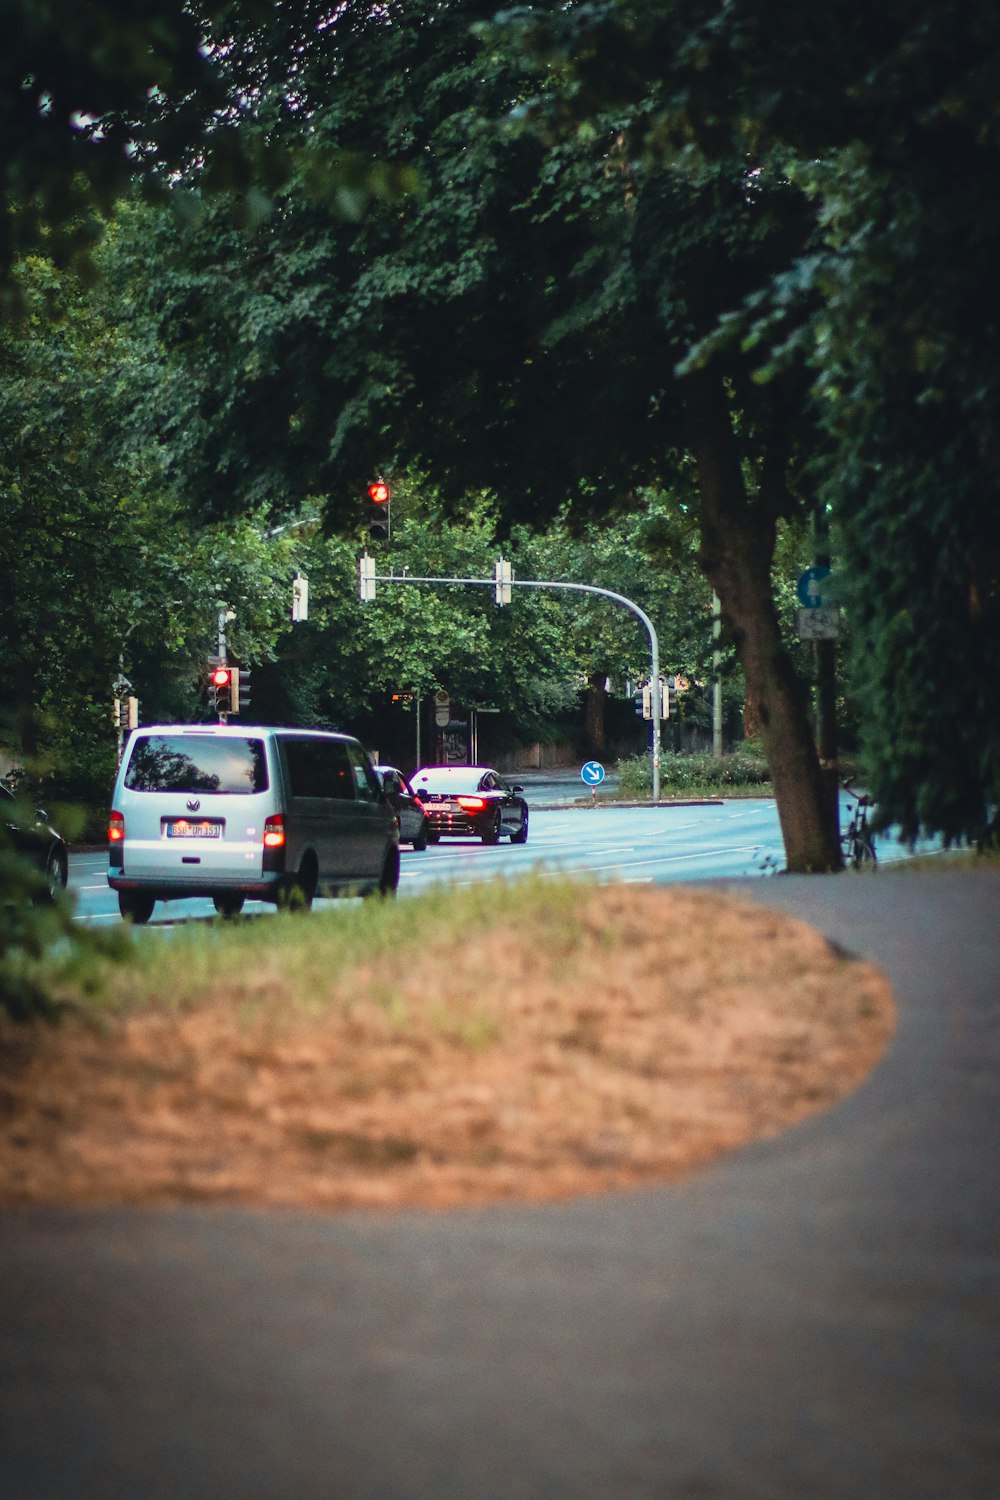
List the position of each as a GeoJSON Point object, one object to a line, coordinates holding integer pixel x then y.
{"type": "Point", "coordinates": [194, 805]}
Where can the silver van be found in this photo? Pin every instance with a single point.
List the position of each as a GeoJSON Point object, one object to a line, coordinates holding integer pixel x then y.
{"type": "Point", "coordinates": [233, 812]}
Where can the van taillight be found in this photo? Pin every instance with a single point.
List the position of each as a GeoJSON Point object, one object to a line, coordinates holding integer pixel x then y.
{"type": "Point", "coordinates": [274, 831]}
{"type": "Point", "coordinates": [116, 828]}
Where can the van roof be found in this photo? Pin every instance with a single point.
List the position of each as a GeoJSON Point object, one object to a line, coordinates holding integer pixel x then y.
{"type": "Point", "coordinates": [239, 731]}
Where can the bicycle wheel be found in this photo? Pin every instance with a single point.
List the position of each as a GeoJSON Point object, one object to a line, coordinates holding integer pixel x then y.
{"type": "Point", "coordinates": [865, 852]}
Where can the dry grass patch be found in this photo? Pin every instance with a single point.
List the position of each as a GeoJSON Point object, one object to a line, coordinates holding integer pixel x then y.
{"type": "Point", "coordinates": [530, 1041]}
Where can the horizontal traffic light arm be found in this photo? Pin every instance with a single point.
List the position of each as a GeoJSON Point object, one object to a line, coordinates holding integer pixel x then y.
{"type": "Point", "coordinates": [371, 578]}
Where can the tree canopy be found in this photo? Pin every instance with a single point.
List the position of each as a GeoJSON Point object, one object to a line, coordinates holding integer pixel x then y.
{"type": "Point", "coordinates": [888, 125]}
{"type": "Point", "coordinates": [567, 257]}
{"type": "Point", "coordinates": [516, 325]}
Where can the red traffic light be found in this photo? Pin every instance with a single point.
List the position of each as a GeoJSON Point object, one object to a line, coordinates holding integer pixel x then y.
{"type": "Point", "coordinates": [379, 492]}
{"type": "Point", "coordinates": [220, 677]}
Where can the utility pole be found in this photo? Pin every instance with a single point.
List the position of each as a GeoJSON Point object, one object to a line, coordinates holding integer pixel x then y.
{"type": "Point", "coordinates": [716, 677]}
{"type": "Point", "coordinates": [826, 681]}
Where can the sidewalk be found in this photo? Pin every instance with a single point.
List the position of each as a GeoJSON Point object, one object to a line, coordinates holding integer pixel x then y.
{"type": "Point", "coordinates": [814, 1318]}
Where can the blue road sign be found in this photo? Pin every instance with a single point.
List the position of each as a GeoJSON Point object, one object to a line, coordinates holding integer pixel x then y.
{"type": "Point", "coordinates": [813, 587]}
{"type": "Point", "coordinates": [592, 773]}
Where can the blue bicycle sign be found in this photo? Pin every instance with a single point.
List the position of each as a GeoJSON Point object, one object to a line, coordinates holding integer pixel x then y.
{"type": "Point", "coordinates": [592, 774]}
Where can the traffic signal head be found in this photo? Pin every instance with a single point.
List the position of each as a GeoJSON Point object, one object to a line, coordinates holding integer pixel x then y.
{"type": "Point", "coordinates": [126, 713]}
{"type": "Point", "coordinates": [378, 510]}
{"type": "Point", "coordinates": [220, 689]}
{"type": "Point", "coordinates": [503, 577]}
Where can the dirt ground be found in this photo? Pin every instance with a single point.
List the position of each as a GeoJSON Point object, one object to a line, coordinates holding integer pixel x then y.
{"type": "Point", "coordinates": [532, 1061]}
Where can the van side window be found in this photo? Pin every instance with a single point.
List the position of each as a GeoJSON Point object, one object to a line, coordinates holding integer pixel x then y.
{"type": "Point", "coordinates": [365, 782]}
{"type": "Point", "coordinates": [318, 768]}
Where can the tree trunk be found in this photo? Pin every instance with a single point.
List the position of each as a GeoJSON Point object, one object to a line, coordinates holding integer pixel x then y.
{"type": "Point", "coordinates": [751, 718]}
{"type": "Point", "coordinates": [737, 547]}
{"type": "Point", "coordinates": [594, 715]}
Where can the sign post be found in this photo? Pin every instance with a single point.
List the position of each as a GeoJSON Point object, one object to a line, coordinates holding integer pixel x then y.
{"type": "Point", "coordinates": [819, 622]}
{"type": "Point", "coordinates": [592, 774]}
{"type": "Point", "coordinates": [442, 709]}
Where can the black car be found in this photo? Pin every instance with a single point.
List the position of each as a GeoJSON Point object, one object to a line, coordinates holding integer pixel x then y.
{"type": "Point", "coordinates": [406, 805]}
{"type": "Point", "coordinates": [463, 800]}
{"type": "Point", "coordinates": [38, 842]}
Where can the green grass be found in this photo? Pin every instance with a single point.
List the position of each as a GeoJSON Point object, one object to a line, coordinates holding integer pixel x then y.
{"type": "Point", "coordinates": [948, 859]}
{"type": "Point", "coordinates": [298, 952]}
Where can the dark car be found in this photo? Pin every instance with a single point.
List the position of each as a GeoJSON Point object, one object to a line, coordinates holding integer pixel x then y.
{"type": "Point", "coordinates": [38, 842]}
{"type": "Point", "coordinates": [463, 800]}
{"type": "Point", "coordinates": [406, 805]}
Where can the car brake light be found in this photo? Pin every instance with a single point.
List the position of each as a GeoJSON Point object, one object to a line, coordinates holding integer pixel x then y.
{"type": "Point", "coordinates": [116, 828]}
{"type": "Point", "coordinates": [471, 804]}
{"type": "Point", "coordinates": [274, 831]}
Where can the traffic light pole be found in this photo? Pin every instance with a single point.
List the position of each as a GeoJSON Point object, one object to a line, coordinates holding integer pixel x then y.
{"type": "Point", "coordinates": [370, 577]}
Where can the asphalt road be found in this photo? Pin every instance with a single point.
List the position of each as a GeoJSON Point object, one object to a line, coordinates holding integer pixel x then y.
{"type": "Point", "coordinates": [738, 838]}
{"type": "Point", "coordinates": [816, 1316]}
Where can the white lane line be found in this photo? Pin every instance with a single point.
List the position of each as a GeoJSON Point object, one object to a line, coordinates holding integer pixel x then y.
{"type": "Point", "coordinates": [568, 868]}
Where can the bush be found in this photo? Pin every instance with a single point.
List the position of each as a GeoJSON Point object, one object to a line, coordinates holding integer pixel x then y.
{"type": "Point", "coordinates": [42, 949]}
{"type": "Point", "coordinates": [690, 775]}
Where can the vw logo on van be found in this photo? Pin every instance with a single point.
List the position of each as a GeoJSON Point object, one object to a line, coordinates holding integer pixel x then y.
{"type": "Point", "coordinates": [194, 804]}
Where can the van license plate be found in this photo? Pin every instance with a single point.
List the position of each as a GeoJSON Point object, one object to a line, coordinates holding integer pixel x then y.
{"type": "Point", "coordinates": [181, 828]}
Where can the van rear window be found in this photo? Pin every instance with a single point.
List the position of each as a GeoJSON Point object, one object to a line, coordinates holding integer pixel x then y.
{"type": "Point", "coordinates": [188, 763]}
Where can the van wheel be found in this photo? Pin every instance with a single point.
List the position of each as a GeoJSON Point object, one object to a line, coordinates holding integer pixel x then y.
{"type": "Point", "coordinates": [301, 891]}
{"type": "Point", "coordinates": [420, 842]}
{"type": "Point", "coordinates": [228, 906]}
{"type": "Point", "coordinates": [136, 905]}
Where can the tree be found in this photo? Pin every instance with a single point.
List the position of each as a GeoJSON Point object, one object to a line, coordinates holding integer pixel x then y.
{"type": "Point", "coordinates": [898, 316]}
{"type": "Point", "coordinates": [887, 123]}
{"type": "Point", "coordinates": [647, 555]}
{"type": "Point", "coordinates": [104, 571]}
{"type": "Point", "coordinates": [96, 99]}
{"type": "Point", "coordinates": [514, 326]}
{"type": "Point", "coordinates": [418, 638]}
{"type": "Point", "coordinates": [74, 83]}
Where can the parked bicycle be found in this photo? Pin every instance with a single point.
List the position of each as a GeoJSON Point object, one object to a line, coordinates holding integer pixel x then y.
{"type": "Point", "coordinates": [858, 838]}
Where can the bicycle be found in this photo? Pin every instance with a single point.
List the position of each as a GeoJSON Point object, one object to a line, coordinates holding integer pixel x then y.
{"type": "Point", "coordinates": [858, 839]}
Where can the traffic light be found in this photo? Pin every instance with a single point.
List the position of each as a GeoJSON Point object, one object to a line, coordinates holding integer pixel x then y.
{"type": "Point", "coordinates": [645, 699]}
{"type": "Point", "coordinates": [239, 692]}
{"type": "Point", "coordinates": [300, 598]}
{"type": "Point", "coordinates": [126, 713]}
{"type": "Point", "coordinates": [220, 689]}
{"type": "Point", "coordinates": [503, 577]}
{"type": "Point", "coordinates": [366, 578]}
{"type": "Point", "coordinates": [378, 511]}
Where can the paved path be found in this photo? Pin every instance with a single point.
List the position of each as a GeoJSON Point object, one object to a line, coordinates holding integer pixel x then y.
{"type": "Point", "coordinates": [816, 1317]}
